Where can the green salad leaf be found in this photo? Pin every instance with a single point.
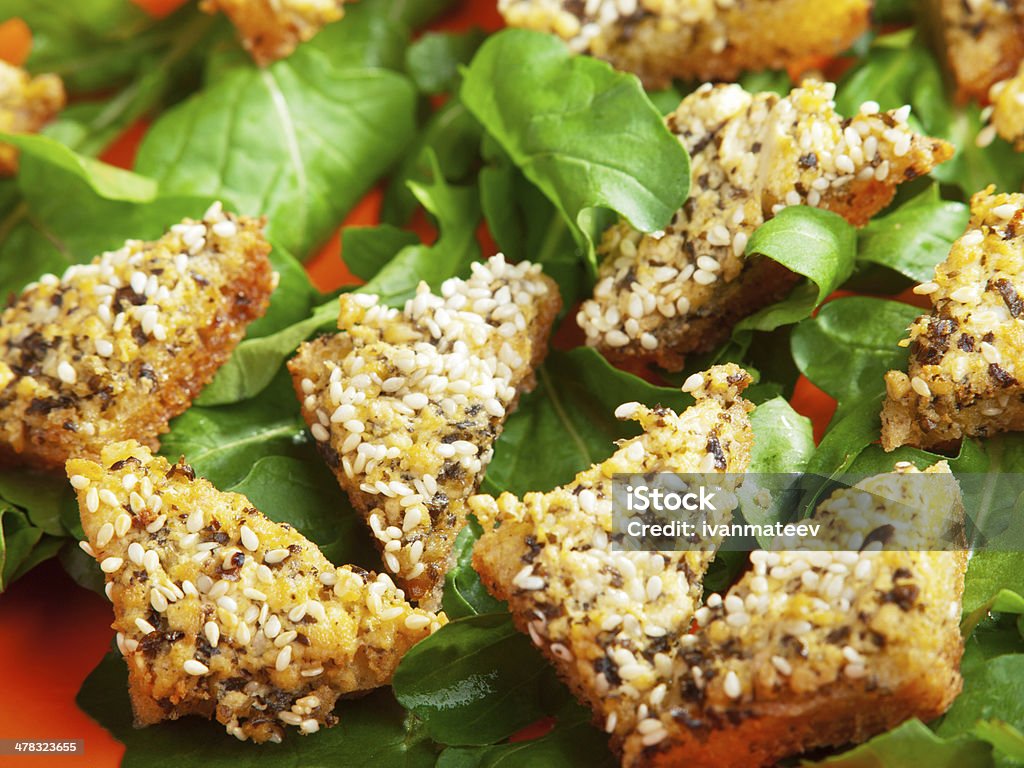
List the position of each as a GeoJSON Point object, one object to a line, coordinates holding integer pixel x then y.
{"type": "Point", "coordinates": [475, 681]}
{"type": "Point", "coordinates": [576, 743]}
{"type": "Point", "coordinates": [299, 141]}
{"type": "Point", "coordinates": [464, 593]}
{"type": "Point", "coordinates": [915, 237]}
{"type": "Point", "coordinates": [585, 135]}
{"type": "Point", "coordinates": [434, 60]}
{"type": "Point", "coordinates": [911, 744]}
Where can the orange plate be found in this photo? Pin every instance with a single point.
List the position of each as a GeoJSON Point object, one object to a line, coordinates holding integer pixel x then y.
{"type": "Point", "coordinates": [52, 633]}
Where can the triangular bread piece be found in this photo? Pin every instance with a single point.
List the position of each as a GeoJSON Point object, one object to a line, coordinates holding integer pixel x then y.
{"type": "Point", "coordinates": [114, 349]}
{"type": "Point", "coordinates": [405, 405]}
{"type": "Point", "coordinates": [221, 612]}
{"type": "Point", "coordinates": [822, 647]}
{"type": "Point", "coordinates": [610, 620]}
{"type": "Point", "coordinates": [964, 374]}
{"type": "Point", "coordinates": [663, 295]}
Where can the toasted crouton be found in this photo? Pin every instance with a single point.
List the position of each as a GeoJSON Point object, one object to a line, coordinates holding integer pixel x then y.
{"type": "Point", "coordinates": [405, 405]}
{"type": "Point", "coordinates": [965, 371]}
{"type": "Point", "coordinates": [1007, 98]}
{"type": "Point", "coordinates": [663, 295]}
{"type": "Point", "coordinates": [664, 39]}
{"type": "Point", "coordinates": [820, 647]}
{"type": "Point", "coordinates": [982, 40]}
{"type": "Point", "coordinates": [271, 29]}
{"type": "Point", "coordinates": [26, 104]}
{"type": "Point", "coordinates": [610, 620]}
{"type": "Point", "coordinates": [115, 348]}
{"type": "Point", "coordinates": [223, 613]}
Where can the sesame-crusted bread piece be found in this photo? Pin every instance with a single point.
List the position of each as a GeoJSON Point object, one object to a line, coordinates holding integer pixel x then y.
{"type": "Point", "coordinates": [1007, 97]}
{"type": "Point", "coordinates": [271, 29]}
{"type": "Point", "coordinates": [405, 405]}
{"type": "Point", "coordinates": [663, 295]}
{"type": "Point", "coordinates": [821, 647]}
{"type": "Point", "coordinates": [114, 349]}
{"type": "Point", "coordinates": [709, 40]}
{"type": "Point", "coordinates": [26, 104]}
{"type": "Point", "coordinates": [964, 373]}
{"type": "Point", "coordinates": [610, 620]}
{"type": "Point", "coordinates": [221, 612]}
{"type": "Point", "coordinates": [983, 41]}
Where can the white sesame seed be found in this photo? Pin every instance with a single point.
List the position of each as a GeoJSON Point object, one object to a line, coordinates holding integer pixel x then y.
{"type": "Point", "coordinates": [79, 482]}
{"type": "Point", "coordinates": [990, 353]}
{"type": "Point", "coordinates": [197, 668]}
{"type": "Point", "coordinates": [284, 658]}
{"type": "Point", "coordinates": [693, 382]}
{"type": "Point", "coordinates": [249, 539]}
{"type": "Point", "coordinates": [924, 289]}
{"type": "Point", "coordinates": [920, 386]}
{"type": "Point", "coordinates": [92, 501]}
{"type": "Point", "coordinates": [111, 564]}
{"type": "Point", "coordinates": [275, 556]}
{"type": "Point", "coordinates": [731, 685]}
{"type": "Point", "coordinates": [195, 520]}
{"type": "Point", "coordinates": [144, 626]}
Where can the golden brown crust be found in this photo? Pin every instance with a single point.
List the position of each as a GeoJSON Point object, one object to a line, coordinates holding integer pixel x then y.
{"type": "Point", "coordinates": [609, 620]}
{"type": "Point", "coordinates": [662, 295]}
{"type": "Point", "coordinates": [664, 39]}
{"type": "Point", "coordinates": [26, 104]}
{"type": "Point", "coordinates": [221, 612]}
{"type": "Point", "coordinates": [74, 377]}
{"type": "Point", "coordinates": [271, 29]}
{"type": "Point", "coordinates": [964, 372]}
{"type": "Point", "coordinates": [1008, 110]}
{"type": "Point", "coordinates": [406, 406]}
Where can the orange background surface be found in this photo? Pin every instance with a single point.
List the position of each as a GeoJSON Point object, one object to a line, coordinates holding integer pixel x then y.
{"type": "Point", "coordinates": [52, 632]}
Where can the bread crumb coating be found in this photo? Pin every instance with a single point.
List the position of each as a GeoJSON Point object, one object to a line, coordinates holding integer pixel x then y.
{"type": "Point", "coordinates": [271, 29]}
{"type": "Point", "coordinates": [26, 104]}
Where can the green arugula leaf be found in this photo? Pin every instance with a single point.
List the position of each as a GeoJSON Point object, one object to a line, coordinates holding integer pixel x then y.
{"type": "Point", "coordinates": [475, 681]}
{"type": "Point", "coordinates": [815, 243]}
{"type": "Point", "coordinates": [526, 225]}
{"type": "Point", "coordinates": [911, 744]}
{"type": "Point", "coordinates": [365, 250]}
{"type": "Point", "coordinates": [44, 497]}
{"type": "Point", "coordinates": [451, 136]}
{"type": "Point", "coordinates": [569, 420]}
{"type": "Point", "coordinates": [915, 237]}
{"type": "Point", "coordinates": [222, 443]}
{"type": "Point", "coordinates": [434, 60]}
{"type": "Point", "coordinates": [850, 345]}
{"type": "Point", "coordinates": [18, 538]}
{"type": "Point", "coordinates": [577, 743]}
{"type": "Point", "coordinates": [464, 594]}
{"type": "Point", "coordinates": [991, 574]}
{"type": "Point", "coordinates": [373, 732]}
{"type": "Point", "coordinates": [585, 135]}
{"type": "Point", "coordinates": [783, 439]}
{"type": "Point", "coordinates": [1003, 736]}
{"type": "Point", "coordinates": [993, 695]}
{"type": "Point", "coordinates": [300, 141]}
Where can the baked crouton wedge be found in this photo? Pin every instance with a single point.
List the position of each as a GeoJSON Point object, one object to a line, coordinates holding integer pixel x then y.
{"type": "Point", "coordinates": [114, 349]}
{"type": "Point", "coordinates": [964, 373]}
{"type": "Point", "coordinates": [664, 39]}
{"type": "Point", "coordinates": [982, 41]}
{"type": "Point", "coordinates": [271, 29]}
{"type": "Point", "coordinates": [822, 647]}
{"type": "Point", "coordinates": [405, 405]}
{"type": "Point", "coordinates": [661, 296]}
{"type": "Point", "coordinates": [221, 612]}
{"type": "Point", "coordinates": [26, 104]}
{"type": "Point", "coordinates": [1007, 98]}
{"type": "Point", "coordinates": [610, 620]}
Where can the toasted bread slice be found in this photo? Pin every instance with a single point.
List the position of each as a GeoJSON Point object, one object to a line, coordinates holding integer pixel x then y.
{"type": "Point", "coordinates": [1007, 98]}
{"type": "Point", "coordinates": [661, 296]}
{"type": "Point", "coordinates": [664, 39]}
{"type": "Point", "coordinates": [964, 373]}
{"type": "Point", "coordinates": [820, 648]}
{"type": "Point", "coordinates": [405, 405]}
{"type": "Point", "coordinates": [26, 104]}
{"type": "Point", "coordinates": [116, 348]}
{"type": "Point", "coordinates": [983, 41]}
{"type": "Point", "coordinates": [271, 29]}
{"type": "Point", "coordinates": [221, 612]}
{"type": "Point", "coordinates": [610, 620]}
